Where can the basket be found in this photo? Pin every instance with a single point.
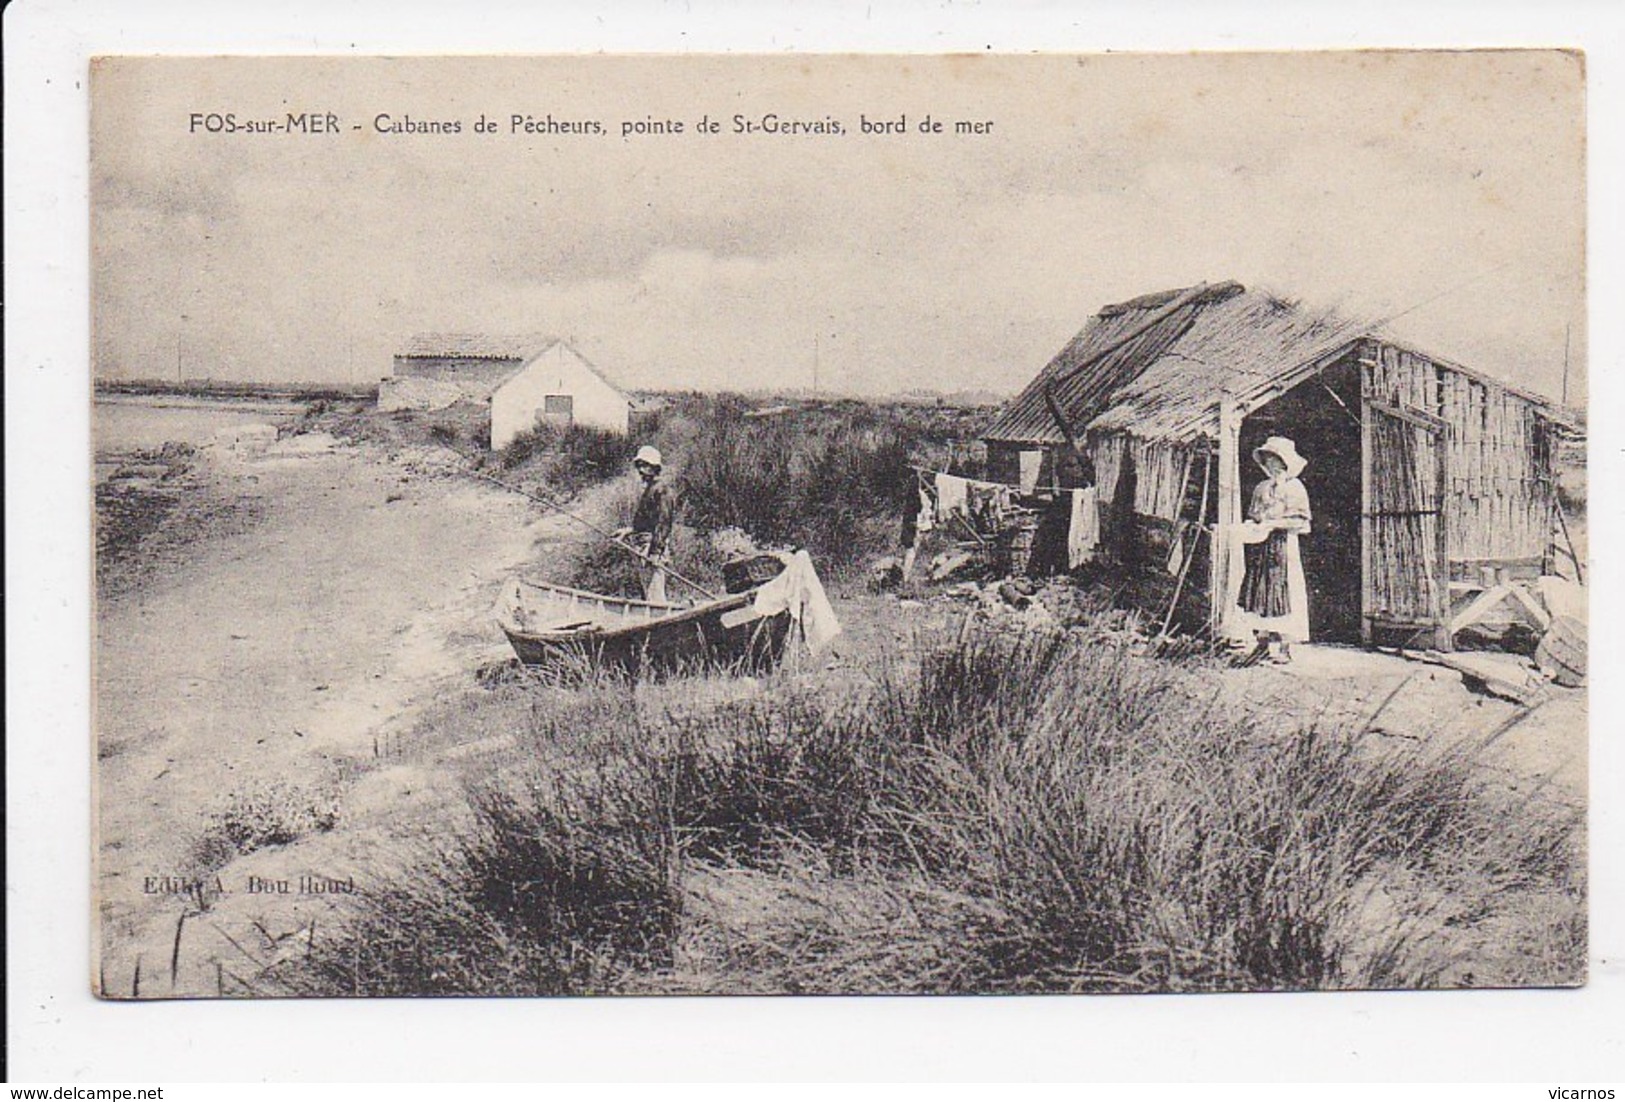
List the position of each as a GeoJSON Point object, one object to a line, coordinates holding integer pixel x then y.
{"type": "Point", "coordinates": [743, 574]}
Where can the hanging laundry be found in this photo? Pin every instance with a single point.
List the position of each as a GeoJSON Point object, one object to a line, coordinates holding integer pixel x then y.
{"type": "Point", "coordinates": [951, 496]}
{"type": "Point", "coordinates": [987, 503]}
{"type": "Point", "coordinates": [1032, 462]}
{"type": "Point", "coordinates": [927, 509]}
{"type": "Point", "coordinates": [1083, 530]}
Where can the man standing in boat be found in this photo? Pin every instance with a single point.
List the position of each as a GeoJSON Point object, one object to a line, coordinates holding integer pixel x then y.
{"type": "Point", "coordinates": [652, 520]}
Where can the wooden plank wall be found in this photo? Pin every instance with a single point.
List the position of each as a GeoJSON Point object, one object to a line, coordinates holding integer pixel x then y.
{"type": "Point", "coordinates": [1498, 489]}
{"type": "Point", "coordinates": [1404, 578]}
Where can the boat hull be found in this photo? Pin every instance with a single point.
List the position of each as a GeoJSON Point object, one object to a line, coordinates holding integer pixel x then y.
{"type": "Point", "coordinates": [725, 634]}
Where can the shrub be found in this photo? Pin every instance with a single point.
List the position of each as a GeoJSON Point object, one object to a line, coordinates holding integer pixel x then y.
{"type": "Point", "coordinates": [829, 476]}
{"type": "Point", "coordinates": [569, 459]}
{"type": "Point", "coordinates": [791, 770]}
{"type": "Point", "coordinates": [464, 424]}
{"type": "Point", "coordinates": [267, 813]}
{"type": "Point", "coordinates": [1110, 823]}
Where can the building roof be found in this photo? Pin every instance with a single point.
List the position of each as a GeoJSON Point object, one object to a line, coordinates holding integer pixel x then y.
{"type": "Point", "coordinates": [475, 346]}
{"type": "Point", "coordinates": [521, 349]}
{"type": "Point", "coordinates": [551, 343]}
{"type": "Point", "coordinates": [1158, 365]}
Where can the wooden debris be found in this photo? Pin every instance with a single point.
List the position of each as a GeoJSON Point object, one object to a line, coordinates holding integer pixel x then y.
{"type": "Point", "coordinates": [1562, 651]}
{"type": "Point", "coordinates": [1479, 678]}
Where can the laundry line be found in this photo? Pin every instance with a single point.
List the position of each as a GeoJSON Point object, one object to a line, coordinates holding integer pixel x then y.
{"type": "Point", "coordinates": [987, 510]}
{"type": "Point", "coordinates": [946, 496]}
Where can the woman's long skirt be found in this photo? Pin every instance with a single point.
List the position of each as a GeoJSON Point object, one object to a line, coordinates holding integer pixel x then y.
{"type": "Point", "coordinates": [1273, 588]}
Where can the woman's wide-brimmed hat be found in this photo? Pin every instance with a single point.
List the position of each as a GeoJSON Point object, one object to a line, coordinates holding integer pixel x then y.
{"type": "Point", "coordinates": [648, 455]}
{"type": "Point", "coordinates": [1284, 450]}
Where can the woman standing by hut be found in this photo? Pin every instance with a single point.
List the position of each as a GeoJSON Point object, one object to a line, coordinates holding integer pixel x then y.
{"type": "Point", "coordinates": [1273, 588]}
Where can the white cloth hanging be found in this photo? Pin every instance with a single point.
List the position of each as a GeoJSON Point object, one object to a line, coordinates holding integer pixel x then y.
{"type": "Point", "coordinates": [951, 496]}
{"type": "Point", "coordinates": [927, 518]}
{"type": "Point", "coordinates": [1031, 463]}
{"type": "Point", "coordinates": [1083, 528]}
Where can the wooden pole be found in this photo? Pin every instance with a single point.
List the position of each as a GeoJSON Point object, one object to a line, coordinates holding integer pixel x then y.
{"type": "Point", "coordinates": [1441, 533]}
{"type": "Point", "coordinates": [1579, 568]}
{"type": "Point", "coordinates": [556, 507]}
{"type": "Point", "coordinates": [1368, 550]}
{"type": "Point", "coordinates": [1201, 527]}
{"type": "Point", "coordinates": [1229, 508]}
{"type": "Point", "coordinates": [1073, 440]}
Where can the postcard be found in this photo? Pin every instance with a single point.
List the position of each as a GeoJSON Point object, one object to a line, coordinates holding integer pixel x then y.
{"type": "Point", "coordinates": [839, 524]}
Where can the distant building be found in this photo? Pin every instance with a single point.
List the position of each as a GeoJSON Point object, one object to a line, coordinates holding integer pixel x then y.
{"type": "Point", "coordinates": [528, 380]}
{"type": "Point", "coordinates": [476, 363]}
{"type": "Point", "coordinates": [560, 387]}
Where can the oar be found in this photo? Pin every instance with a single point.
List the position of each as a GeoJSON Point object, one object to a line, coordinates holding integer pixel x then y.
{"type": "Point", "coordinates": [602, 531]}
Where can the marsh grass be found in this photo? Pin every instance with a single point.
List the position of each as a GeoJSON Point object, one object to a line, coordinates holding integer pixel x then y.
{"type": "Point", "coordinates": [568, 459]}
{"type": "Point", "coordinates": [1002, 812]}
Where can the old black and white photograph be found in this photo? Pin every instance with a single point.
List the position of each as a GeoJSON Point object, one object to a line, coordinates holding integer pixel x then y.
{"type": "Point", "coordinates": [1066, 524]}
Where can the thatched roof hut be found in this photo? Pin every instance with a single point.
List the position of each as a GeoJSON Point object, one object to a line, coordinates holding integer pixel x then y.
{"type": "Point", "coordinates": [1427, 478]}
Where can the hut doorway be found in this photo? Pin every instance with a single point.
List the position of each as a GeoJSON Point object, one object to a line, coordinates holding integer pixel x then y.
{"type": "Point", "coordinates": [1406, 564]}
{"type": "Point", "coordinates": [1322, 416]}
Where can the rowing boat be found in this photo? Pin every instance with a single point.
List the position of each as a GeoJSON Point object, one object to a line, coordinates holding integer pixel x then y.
{"type": "Point", "coordinates": [559, 629]}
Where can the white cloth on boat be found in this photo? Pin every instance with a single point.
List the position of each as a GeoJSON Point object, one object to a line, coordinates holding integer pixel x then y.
{"type": "Point", "coordinates": [952, 492]}
{"type": "Point", "coordinates": [1083, 527]}
{"type": "Point", "coordinates": [799, 592]}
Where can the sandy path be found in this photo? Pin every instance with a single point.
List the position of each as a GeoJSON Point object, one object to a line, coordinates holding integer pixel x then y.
{"type": "Point", "coordinates": [279, 654]}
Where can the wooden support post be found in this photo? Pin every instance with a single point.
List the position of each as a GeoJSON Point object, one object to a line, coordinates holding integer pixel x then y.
{"type": "Point", "coordinates": [1229, 510]}
{"type": "Point", "coordinates": [1443, 636]}
{"type": "Point", "coordinates": [1367, 551]}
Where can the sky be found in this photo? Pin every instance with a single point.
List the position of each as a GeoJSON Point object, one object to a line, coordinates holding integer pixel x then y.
{"type": "Point", "coordinates": [1441, 193]}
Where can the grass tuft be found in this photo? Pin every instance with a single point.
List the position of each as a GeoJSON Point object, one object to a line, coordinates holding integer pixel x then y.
{"type": "Point", "coordinates": [267, 813]}
{"type": "Point", "coordinates": [1004, 812]}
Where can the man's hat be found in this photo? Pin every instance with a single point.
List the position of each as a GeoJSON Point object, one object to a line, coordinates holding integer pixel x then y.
{"type": "Point", "coordinates": [648, 455]}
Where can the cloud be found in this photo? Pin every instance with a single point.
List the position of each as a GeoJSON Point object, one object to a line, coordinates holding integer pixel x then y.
{"type": "Point", "coordinates": [1376, 182]}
